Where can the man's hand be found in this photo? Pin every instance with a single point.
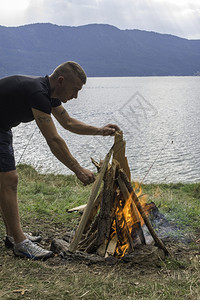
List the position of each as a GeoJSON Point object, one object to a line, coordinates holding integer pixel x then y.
{"type": "Point", "coordinates": [86, 176]}
{"type": "Point", "coordinates": [109, 129]}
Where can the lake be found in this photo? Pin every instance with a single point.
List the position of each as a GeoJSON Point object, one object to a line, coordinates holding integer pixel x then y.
{"type": "Point", "coordinates": [160, 119]}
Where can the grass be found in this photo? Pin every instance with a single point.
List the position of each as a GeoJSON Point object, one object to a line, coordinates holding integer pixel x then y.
{"type": "Point", "coordinates": [43, 201]}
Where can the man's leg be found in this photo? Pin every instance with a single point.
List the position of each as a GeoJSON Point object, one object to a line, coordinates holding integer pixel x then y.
{"type": "Point", "coordinates": [9, 205]}
{"type": "Point", "coordinates": [23, 247]}
{"type": "Point", "coordinates": [9, 241]}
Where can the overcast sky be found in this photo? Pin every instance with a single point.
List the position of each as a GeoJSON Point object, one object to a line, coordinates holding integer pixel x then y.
{"type": "Point", "coordinates": [177, 17]}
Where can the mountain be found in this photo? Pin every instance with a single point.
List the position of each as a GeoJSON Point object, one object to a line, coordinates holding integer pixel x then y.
{"type": "Point", "coordinates": [102, 50]}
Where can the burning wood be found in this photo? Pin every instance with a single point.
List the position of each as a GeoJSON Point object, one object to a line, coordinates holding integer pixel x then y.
{"type": "Point", "coordinates": [111, 224]}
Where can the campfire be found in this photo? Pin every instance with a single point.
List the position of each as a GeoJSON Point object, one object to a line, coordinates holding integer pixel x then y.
{"type": "Point", "coordinates": [113, 220]}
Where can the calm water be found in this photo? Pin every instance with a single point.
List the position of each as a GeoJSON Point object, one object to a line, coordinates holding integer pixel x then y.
{"type": "Point", "coordinates": [158, 115]}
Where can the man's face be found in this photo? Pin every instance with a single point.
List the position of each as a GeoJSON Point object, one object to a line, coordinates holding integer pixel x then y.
{"type": "Point", "coordinates": [68, 89]}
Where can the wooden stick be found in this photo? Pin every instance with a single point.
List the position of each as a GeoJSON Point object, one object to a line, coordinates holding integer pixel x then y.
{"type": "Point", "coordinates": [105, 214]}
{"type": "Point", "coordinates": [93, 212]}
{"type": "Point", "coordinates": [96, 164]}
{"type": "Point", "coordinates": [158, 242]}
{"type": "Point", "coordinates": [119, 153]}
{"type": "Point", "coordinates": [77, 208]}
{"type": "Point", "coordinates": [111, 246]}
{"type": "Point", "coordinates": [84, 243]}
{"type": "Point", "coordinates": [93, 228]}
{"type": "Point", "coordinates": [102, 248]}
{"type": "Point", "coordinates": [126, 196]}
{"type": "Point", "coordinates": [74, 244]}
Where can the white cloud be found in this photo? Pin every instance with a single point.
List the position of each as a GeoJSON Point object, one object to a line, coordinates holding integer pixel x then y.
{"type": "Point", "coordinates": [180, 17]}
{"type": "Point", "coordinates": [12, 12]}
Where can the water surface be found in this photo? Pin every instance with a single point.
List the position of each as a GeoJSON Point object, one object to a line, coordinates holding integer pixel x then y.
{"type": "Point", "coordinates": [158, 115]}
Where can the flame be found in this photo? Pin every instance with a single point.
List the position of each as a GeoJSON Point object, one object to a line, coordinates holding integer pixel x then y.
{"type": "Point", "coordinates": [127, 217]}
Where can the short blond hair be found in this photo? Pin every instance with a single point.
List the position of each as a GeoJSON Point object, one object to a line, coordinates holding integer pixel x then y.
{"type": "Point", "coordinates": [70, 68]}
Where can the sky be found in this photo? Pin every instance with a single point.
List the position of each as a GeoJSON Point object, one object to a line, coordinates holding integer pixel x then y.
{"type": "Point", "coordinates": [176, 17]}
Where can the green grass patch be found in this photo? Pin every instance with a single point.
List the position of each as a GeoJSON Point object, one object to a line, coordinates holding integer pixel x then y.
{"type": "Point", "coordinates": [43, 202]}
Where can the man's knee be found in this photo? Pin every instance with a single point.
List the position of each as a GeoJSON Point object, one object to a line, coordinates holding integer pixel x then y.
{"type": "Point", "coordinates": [9, 180]}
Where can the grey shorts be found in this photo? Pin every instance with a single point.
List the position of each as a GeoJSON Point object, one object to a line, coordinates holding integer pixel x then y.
{"type": "Point", "coordinates": [7, 160]}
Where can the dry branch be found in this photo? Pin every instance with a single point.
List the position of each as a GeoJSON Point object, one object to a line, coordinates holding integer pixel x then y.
{"type": "Point", "coordinates": [106, 207]}
{"type": "Point", "coordinates": [93, 212]}
{"type": "Point", "coordinates": [74, 244]}
{"type": "Point", "coordinates": [111, 246]}
{"type": "Point", "coordinates": [77, 208]}
{"type": "Point", "coordinates": [119, 153]}
{"type": "Point", "coordinates": [105, 215]}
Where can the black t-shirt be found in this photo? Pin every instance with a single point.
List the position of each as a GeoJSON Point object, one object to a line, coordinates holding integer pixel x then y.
{"type": "Point", "coordinates": [19, 94]}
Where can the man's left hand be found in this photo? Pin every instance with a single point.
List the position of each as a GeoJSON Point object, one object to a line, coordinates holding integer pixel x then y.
{"type": "Point", "coordinates": [109, 129]}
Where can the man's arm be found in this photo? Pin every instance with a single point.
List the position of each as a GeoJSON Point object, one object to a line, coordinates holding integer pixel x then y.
{"type": "Point", "coordinates": [59, 147]}
{"type": "Point", "coordinates": [79, 127]}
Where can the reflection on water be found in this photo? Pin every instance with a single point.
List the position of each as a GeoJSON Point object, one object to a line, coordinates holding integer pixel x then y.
{"type": "Point", "coordinates": [158, 115]}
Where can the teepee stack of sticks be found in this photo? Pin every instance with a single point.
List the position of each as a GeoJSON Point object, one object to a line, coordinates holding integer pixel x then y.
{"type": "Point", "coordinates": [113, 219]}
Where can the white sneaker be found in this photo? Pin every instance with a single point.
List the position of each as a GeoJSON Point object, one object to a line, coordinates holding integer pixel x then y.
{"type": "Point", "coordinates": [9, 241]}
{"type": "Point", "coordinates": [31, 250]}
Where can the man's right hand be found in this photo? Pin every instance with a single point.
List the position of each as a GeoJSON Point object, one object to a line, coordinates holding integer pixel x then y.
{"type": "Point", "coordinates": [85, 175]}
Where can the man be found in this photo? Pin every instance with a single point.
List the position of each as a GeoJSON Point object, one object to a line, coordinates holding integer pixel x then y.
{"type": "Point", "coordinates": [23, 99]}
